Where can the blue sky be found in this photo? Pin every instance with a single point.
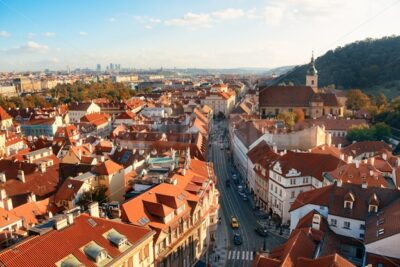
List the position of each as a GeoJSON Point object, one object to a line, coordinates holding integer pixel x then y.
{"type": "Point", "coordinates": [210, 33]}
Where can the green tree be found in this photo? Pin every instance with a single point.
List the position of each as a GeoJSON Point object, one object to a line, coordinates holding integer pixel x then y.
{"type": "Point", "coordinates": [381, 131]}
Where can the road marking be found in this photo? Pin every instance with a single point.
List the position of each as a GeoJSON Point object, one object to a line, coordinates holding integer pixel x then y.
{"type": "Point", "coordinates": [229, 254]}
{"type": "Point", "coordinates": [251, 255]}
{"type": "Point", "coordinates": [243, 254]}
{"type": "Point", "coordinates": [247, 255]}
{"type": "Point", "coordinates": [234, 254]}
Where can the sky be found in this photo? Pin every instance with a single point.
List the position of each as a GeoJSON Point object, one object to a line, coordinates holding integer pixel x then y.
{"type": "Point", "coordinates": [35, 35]}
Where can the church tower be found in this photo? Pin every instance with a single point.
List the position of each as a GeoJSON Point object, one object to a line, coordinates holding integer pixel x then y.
{"type": "Point", "coordinates": [312, 75]}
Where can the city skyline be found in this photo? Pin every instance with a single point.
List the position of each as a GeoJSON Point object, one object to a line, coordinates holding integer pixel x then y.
{"type": "Point", "coordinates": [211, 34]}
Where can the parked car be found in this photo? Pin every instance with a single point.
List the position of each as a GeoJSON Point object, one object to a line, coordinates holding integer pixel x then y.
{"type": "Point", "coordinates": [245, 198]}
{"type": "Point", "coordinates": [237, 239]}
{"type": "Point", "coordinates": [240, 188]}
{"type": "Point", "coordinates": [234, 222]}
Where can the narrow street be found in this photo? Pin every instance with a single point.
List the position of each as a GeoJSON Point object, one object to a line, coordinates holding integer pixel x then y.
{"type": "Point", "coordinates": [232, 204]}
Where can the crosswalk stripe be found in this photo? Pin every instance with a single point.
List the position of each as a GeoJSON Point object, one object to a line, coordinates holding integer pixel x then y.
{"type": "Point", "coordinates": [229, 254]}
{"type": "Point", "coordinates": [243, 254]}
{"type": "Point", "coordinates": [251, 255]}
{"type": "Point", "coordinates": [233, 254]}
{"type": "Point", "coordinates": [247, 255]}
{"type": "Point", "coordinates": [238, 255]}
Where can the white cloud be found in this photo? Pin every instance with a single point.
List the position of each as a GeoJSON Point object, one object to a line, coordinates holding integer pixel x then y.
{"type": "Point", "coordinates": [229, 13]}
{"type": "Point", "coordinates": [29, 47]}
{"type": "Point", "coordinates": [191, 19]}
{"type": "Point", "coordinates": [4, 34]}
{"type": "Point", "coordinates": [83, 33]}
{"type": "Point", "coordinates": [49, 34]}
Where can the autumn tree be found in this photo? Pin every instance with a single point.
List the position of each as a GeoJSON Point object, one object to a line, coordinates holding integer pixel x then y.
{"type": "Point", "coordinates": [357, 100]}
{"type": "Point", "coordinates": [288, 117]}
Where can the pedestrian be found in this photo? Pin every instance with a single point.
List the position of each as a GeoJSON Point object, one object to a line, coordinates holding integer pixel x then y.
{"type": "Point", "coordinates": [218, 257]}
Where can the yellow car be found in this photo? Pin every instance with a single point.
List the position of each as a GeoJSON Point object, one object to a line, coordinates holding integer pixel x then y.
{"type": "Point", "coordinates": [234, 222]}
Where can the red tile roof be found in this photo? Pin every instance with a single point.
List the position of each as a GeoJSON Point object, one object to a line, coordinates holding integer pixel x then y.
{"type": "Point", "coordinates": [4, 115]}
{"type": "Point", "coordinates": [108, 167]}
{"type": "Point", "coordinates": [40, 250]}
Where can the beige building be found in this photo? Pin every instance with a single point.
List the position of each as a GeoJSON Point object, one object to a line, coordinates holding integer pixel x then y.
{"type": "Point", "coordinates": [220, 101]}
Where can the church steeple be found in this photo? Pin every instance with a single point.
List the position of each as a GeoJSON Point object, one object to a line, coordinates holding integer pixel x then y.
{"type": "Point", "coordinates": [312, 74]}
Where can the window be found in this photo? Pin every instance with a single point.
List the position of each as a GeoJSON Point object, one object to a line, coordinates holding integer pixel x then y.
{"type": "Point", "coordinates": [348, 204]}
{"type": "Point", "coordinates": [292, 181]}
{"type": "Point", "coordinates": [346, 225]}
{"type": "Point", "coordinates": [362, 236]}
{"type": "Point", "coordinates": [280, 192]}
{"type": "Point", "coordinates": [333, 222]}
{"type": "Point", "coordinates": [362, 226]}
{"type": "Point", "coordinates": [292, 194]}
{"type": "Point", "coordinates": [373, 208]}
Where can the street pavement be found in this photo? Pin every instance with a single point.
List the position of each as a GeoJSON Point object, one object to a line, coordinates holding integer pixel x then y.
{"type": "Point", "coordinates": [232, 204]}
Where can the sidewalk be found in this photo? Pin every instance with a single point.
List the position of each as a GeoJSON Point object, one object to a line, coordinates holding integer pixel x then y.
{"type": "Point", "coordinates": [220, 248]}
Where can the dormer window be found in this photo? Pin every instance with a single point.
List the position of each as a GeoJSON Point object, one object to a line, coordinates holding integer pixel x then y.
{"type": "Point", "coordinates": [348, 204]}
{"type": "Point", "coordinates": [96, 253]}
{"type": "Point", "coordinates": [372, 208]}
{"type": "Point", "coordinates": [349, 200]}
{"type": "Point", "coordinates": [118, 240]}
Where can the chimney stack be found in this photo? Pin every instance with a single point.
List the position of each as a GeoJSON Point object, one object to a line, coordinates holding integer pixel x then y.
{"type": "Point", "coordinates": [94, 209]}
{"type": "Point", "coordinates": [2, 177]}
{"type": "Point", "coordinates": [384, 156]}
{"type": "Point", "coordinates": [21, 175]}
{"type": "Point", "coordinates": [61, 223]}
{"type": "Point", "coordinates": [349, 159]}
{"type": "Point", "coordinates": [339, 183]}
{"type": "Point", "coordinates": [70, 218]}
{"type": "Point", "coordinates": [339, 146]}
{"type": "Point", "coordinates": [364, 185]}
{"type": "Point", "coordinates": [42, 167]}
{"type": "Point", "coordinates": [341, 156]}
{"type": "Point", "coordinates": [357, 162]}
{"type": "Point", "coordinates": [372, 161]}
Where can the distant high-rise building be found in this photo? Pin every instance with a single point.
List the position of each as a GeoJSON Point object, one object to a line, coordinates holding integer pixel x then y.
{"type": "Point", "coordinates": [98, 67]}
{"type": "Point", "coordinates": [111, 66]}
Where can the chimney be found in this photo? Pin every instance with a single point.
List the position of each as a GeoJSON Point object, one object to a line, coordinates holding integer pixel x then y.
{"type": "Point", "coordinates": [3, 194]}
{"type": "Point", "coordinates": [316, 221]}
{"type": "Point", "coordinates": [275, 149]}
{"type": "Point", "coordinates": [70, 218]}
{"type": "Point", "coordinates": [341, 156]}
{"type": "Point", "coordinates": [94, 209]}
{"type": "Point", "coordinates": [101, 158]}
{"type": "Point", "coordinates": [349, 159]}
{"type": "Point", "coordinates": [183, 172]}
{"type": "Point", "coordinates": [42, 167]}
{"type": "Point", "coordinates": [339, 146]}
{"type": "Point", "coordinates": [61, 223]}
{"type": "Point", "coordinates": [372, 161]}
{"type": "Point", "coordinates": [32, 197]}
{"type": "Point", "coordinates": [2, 177]}
{"type": "Point", "coordinates": [8, 205]}
{"type": "Point", "coordinates": [371, 172]}
{"type": "Point", "coordinates": [328, 139]}
{"type": "Point", "coordinates": [357, 162]}
{"type": "Point", "coordinates": [384, 156]}
{"type": "Point", "coordinates": [21, 175]}
{"type": "Point", "coordinates": [339, 183]}
{"type": "Point", "coordinates": [364, 185]}
{"type": "Point", "coordinates": [50, 214]}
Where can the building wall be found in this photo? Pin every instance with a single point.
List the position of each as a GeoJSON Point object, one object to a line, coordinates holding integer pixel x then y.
{"type": "Point", "coordinates": [354, 231]}
{"type": "Point", "coordinates": [303, 140]}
